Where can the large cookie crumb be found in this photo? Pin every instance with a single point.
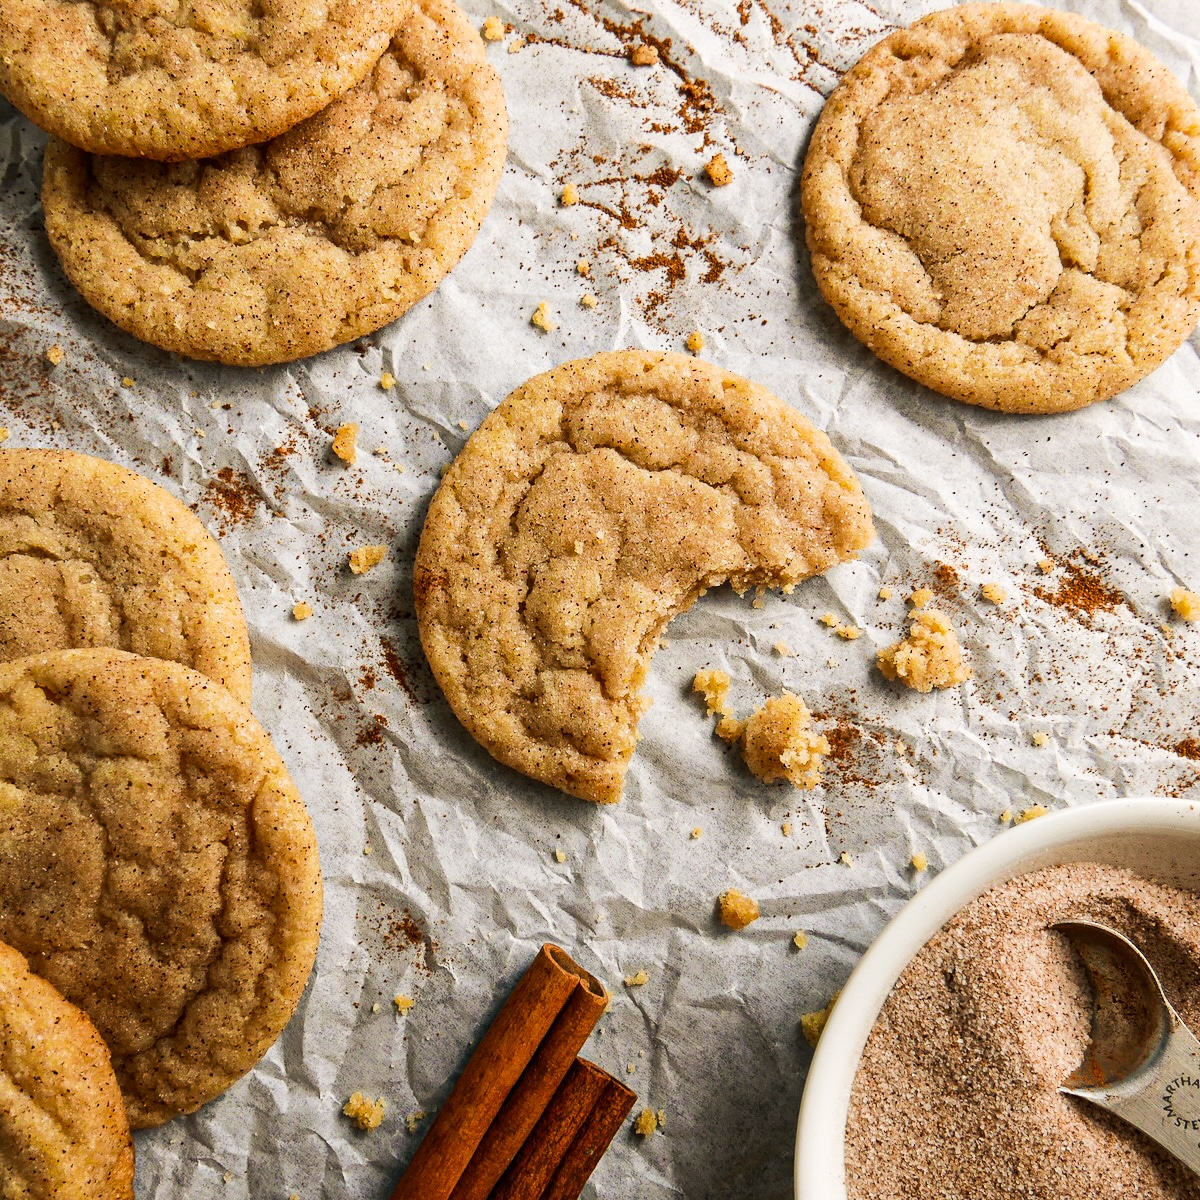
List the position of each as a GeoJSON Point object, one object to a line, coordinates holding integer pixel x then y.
{"type": "Point", "coordinates": [930, 657]}
{"type": "Point", "coordinates": [736, 910]}
{"type": "Point", "coordinates": [778, 742]}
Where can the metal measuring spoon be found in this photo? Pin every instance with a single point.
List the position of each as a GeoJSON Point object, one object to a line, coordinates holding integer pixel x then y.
{"type": "Point", "coordinates": [1143, 1063]}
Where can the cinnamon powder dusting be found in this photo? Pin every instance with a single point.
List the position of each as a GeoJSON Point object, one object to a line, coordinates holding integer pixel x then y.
{"type": "Point", "coordinates": [1082, 591]}
{"type": "Point", "coordinates": [234, 496]}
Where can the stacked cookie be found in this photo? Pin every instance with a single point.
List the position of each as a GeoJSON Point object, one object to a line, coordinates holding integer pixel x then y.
{"type": "Point", "coordinates": [157, 866]}
{"type": "Point", "coordinates": [253, 184]}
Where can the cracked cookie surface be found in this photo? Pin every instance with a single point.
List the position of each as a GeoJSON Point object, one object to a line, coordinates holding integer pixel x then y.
{"type": "Point", "coordinates": [598, 501]}
{"type": "Point", "coordinates": [177, 79]}
{"type": "Point", "coordinates": [1003, 202]}
{"type": "Point", "coordinates": [94, 555]}
{"type": "Point", "coordinates": [158, 867]}
{"type": "Point", "coordinates": [322, 235]}
{"type": "Point", "coordinates": [63, 1131]}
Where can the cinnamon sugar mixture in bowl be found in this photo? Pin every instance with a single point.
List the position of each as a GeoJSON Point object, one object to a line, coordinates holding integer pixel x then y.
{"type": "Point", "coordinates": [956, 1093]}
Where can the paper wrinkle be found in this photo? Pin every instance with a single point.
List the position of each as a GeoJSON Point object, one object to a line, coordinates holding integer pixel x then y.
{"type": "Point", "coordinates": [462, 885]}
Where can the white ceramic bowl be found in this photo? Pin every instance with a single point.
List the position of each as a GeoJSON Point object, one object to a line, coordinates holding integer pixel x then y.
{"type": "Point", "coordinates": [1149, 835]}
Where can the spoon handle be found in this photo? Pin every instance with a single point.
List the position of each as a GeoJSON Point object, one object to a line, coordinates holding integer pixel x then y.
{"type": "Point", "coordinates": [1166, 1102]}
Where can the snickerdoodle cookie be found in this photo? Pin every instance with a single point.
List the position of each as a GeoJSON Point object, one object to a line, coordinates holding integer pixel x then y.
{"type": "Point", "coordinates": [597, 502]}
{"type": "Point", "coordinates": [63, 1130]}
{"type": "Point", "coordinates": [1003, 202]}
{"type": "Point", "coordinates": [157, 867]}
{"type": "Point", "coordinates": [317, 237]}
{"type": "Point", "coordinates": [175, 79]}
{"type": "Point", "coordinates": [94, 555]}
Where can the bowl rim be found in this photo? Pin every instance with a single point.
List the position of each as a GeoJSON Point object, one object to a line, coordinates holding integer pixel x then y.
{"type": "Point", "coordinates": [819, 1171]}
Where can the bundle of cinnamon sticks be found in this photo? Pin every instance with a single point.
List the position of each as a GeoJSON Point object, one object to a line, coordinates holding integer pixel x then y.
{"type": "Point", "coordinates": [527, 1119]}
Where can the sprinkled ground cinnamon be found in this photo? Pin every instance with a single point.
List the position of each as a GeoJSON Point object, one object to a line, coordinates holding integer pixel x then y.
{"type": "Point", "coordinates": [234, 496]}
{"type": "Point", "coordinates": [956, 1095]}
{"type": "Point", "coordinates": [1081, 590]}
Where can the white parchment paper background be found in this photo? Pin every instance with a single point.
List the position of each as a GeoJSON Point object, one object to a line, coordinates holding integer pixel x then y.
{"type": "Point", "coordinates": [461, 883]}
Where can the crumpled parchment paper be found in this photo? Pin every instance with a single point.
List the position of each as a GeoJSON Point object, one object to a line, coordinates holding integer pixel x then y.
{"type": "Point", "coordinates": [440, 866]}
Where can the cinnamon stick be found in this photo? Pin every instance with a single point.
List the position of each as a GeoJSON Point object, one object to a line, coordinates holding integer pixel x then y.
{"type": "Point", "coordinates": [585, 1152]}
{"type": "Point", "coordinates": [565, 1115]}
{"type": "Point", "coordinates": [538, 1083]}
{"type": "Point", "coordinates": [490, 1075]}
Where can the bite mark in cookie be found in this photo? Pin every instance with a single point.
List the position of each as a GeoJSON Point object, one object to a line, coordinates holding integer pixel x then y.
{"type": "Point", "coordinates": [597, 502]}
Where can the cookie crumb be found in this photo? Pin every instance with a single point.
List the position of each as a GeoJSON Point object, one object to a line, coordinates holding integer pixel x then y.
{"type": "Point", "coordinates": [301, 611]}
{"type": "Point", "coordinates": [786, 829]}
{"type": "Point", "coordinates": [849, 632]}
{"type": "Point", "coordinates": [569, 195]}
{"type": "Point", "coordinates": [387, 380]}
{"type": "Point", "coordinates": [1040, 738]}
{"type": "Point", "coordinates": [493, 29]}
{"type": "Point", "coordinates": [800, 940]}
{"type": "Point", "coordinates": [345, 442]}
{"type": "Point", "coordinates": [885, 593]}
{"type": "Point", "coordinates": [366, 1114]}
{"type": "Point", "coordinates": [517, 46]}
{"type": "Point", "coordinates": [1005, 816]}
{"type": "Point", "coordinates": [718, 171]}
{"type": "Point", "coordinates": [587, 300]}
{"type": "Point", "coordinates": [365, 557]}
{"type": "Point", "coordinates": [782, 649]}
{"type": "Point", "coordinates": [845, 860]}
{"type": "Point", "coordinates": [127, 381]}
{"type": "Point", "coordinates": [541, 318]}
{"type": "Point", "coordinates": [1185, 604]}
{"type": "Point", "coordinates": [583, 267]}
{"type": "Point", "coordinates": [367, 851]}
{"type": "Point", "coordinates": [560, 856]}
{"type": "Point", "coordinates": [55, 355]}
{"type": "Point", "coordinates": [778, 742]}
{"type": "Point", "coordinates": [695, 342]}
{"type": "Point", "coordinates": [3, 433]}
{"type": "Point", "coordinates": [637, 979]}
{"type": "Point", "coordinates": [829, 619]}
{"type": "Point", "coordinates": [643, 55]}
{"type": "Point", "coordinates": [403, 1004]}
{"type": "Point", "coordinates": [697, 832]}
{"type": "Point", "coordinates": [646, 1124]}
{"type": "Point", "coordinates": [1030, 814]}
{"type": "Point", "coordinates": [714, 686]}
{"type": "Point", "coordinates": [930, 657]}
{"type": "Point", "coordinates": [736, 910]}
{"type": "Point", "coordinates": [812, 1024]}
{"type": "Point", "coordinates": [1046, 565]}
{"type": "Point", "coordinates": [414, 1119]}
{"type": "Point", "coordinates": [993, 593]}
{"type": "Point", "coordinates": [920, 862]}
{"type": "Point", "coordinates": [920, 597]}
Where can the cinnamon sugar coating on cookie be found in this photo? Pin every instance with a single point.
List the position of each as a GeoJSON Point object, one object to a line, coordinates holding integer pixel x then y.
{"type": "Point", "coordinates": [63, 1130]}
{"type": "Point", "coordinates": [1003, 202]}
{"type": "Point", "coordinates": [177, 79]}
{"type": "Point", "coordinates": [597, 502]}
{"type": "Point", "coordinates": [94, 555]}
{"type": "Point", "coordinates": [317, 237]}
{"type": "Point", "coordinates": [157, 867]}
